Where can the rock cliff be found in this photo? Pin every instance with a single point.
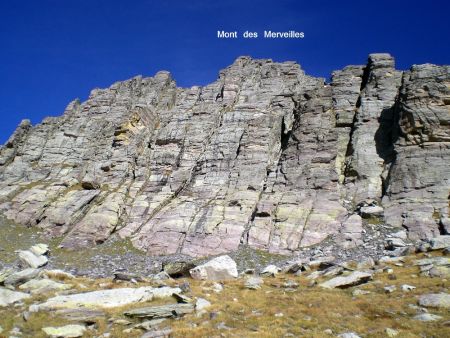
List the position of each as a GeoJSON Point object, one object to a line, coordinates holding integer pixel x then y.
{"type": "Point", "coordinates": [266, 156]}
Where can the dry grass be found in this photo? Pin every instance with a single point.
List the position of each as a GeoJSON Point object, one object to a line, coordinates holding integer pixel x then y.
{"type": "Point", "coordinates": [306, 311]}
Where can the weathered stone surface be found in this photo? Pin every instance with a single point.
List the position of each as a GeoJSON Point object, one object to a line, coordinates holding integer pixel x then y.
{"type": "Point", "coordinates": [265, 156]}
{"type": "Point", "coordinates": [31, 260]}
{"type": "Point", "coordinates": [8, 297]}
{"type": "Point", "coordinates": [254, 283]}
{"type": "Point", "coordinates": [21, 276]}
{"type": "Point", "coordinates": [68, 331]}
{"type": "Point", "coordinates": [219, 268]}
{"type": "Point", "coordinates": [104, 298]}
{"type": "Point", "coordinates": [440, 242]}
{"type": "Point", "coordinates": [36, 286]}
{"type": "Point", "coordinates": [438, 300]}
{"type": "Point", "coordinates": [163, 311]}
{"type": "Point", "coordinates": [355, 278]}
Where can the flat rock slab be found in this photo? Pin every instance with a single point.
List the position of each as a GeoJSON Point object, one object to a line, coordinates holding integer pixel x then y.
{"type": "Point", "coordinates": [219, 268]}
{"type": "Point", "coordinates": [163, 311]}
{"type": "Point", "coordinates": [440, 242]}
{"type": "Point", "coordinates": [105, 298]}
{"type": "Point", "coordinates": [21, 276]}
{"type": "Point", "coordinates": [37, 286]}
{"type": "Point", "coordinates": [437, 300]}
{"type": "Point", "coordinates": [437, 261]}
{"type": "Point", "coordinates": [355, 278]}
{"type": "Point", "coordinates": [68, 331]}
{"type": "Point", "coordinates": [32, 260]}
{"type": "Point", "coordinates": [8, 297]}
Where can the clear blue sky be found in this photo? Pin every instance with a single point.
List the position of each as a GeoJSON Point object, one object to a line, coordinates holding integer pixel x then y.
{"type": "Point", "coordinates": [52, 51]}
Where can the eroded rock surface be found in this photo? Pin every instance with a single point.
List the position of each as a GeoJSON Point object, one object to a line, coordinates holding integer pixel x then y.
{"type": "Point", "coordinates": [265, 156]}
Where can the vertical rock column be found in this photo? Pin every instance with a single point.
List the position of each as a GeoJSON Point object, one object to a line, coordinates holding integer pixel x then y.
{"type": "Point", "coordinates": [371, 138]}
{"type": "Point", "coordinates": [418, 192]}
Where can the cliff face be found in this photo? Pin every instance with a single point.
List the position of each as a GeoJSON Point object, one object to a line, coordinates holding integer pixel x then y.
{"type": "Point", "coordinates": [265, 156]}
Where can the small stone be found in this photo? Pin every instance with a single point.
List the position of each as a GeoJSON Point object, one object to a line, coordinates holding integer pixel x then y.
{"type": "Point", "coordinates": [254, 283]}
{"type": "Point", "coordinates": [427, 317]}
{"type": "Point", "coordinates": [201, 304]}
{"type": "Point", "coordinates": [370, 211]}
{"type": "Point", "coordinates": [390, 288]}
{"type": "Point", "coordinates": [217, 287]}
{"type": "Point", "coordinates": [391, 332]}
{"type": "Point", "coordinates": [68, 331]}
{"type": "Point", "coordinates": [359, 292]}
{"type": "Point", "coordinates": [270, 271]}
{"type": "Point", "coordinates": [39, 249]}
{"type": "Point", "coordinates": [348, 335]}
{"type": "Point", "coordinates": [407, 288]}
{"type": "Point", "coordinates": [328, 331]}
{"type": "Point", "coordinates": [279, 314]}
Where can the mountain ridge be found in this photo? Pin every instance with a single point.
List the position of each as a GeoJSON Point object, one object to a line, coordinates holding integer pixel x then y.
{"type": "Point", "coordinates": [265, 156]}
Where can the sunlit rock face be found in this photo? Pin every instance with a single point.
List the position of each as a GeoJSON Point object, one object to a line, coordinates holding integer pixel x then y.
{"type": "Point", "coordinates": [266, 156]}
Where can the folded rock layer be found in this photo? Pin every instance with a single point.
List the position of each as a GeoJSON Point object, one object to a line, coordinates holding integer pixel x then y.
{"type": "Point", "coordinates": [265, 156]}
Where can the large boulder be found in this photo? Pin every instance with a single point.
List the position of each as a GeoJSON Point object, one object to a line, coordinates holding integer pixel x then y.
{"type": "Point", "coordinates": [219, 268]}
{"type": "Point", "coordinates": [355, 278]}
{"type": "Point", "coordinates": [105, 298]}
{"type": "Point", "coordinates": [437, 300]}
{"type": "Point", "coordinates": [8, 297]}
{"type": "Point", "coordinates": [68, 331]}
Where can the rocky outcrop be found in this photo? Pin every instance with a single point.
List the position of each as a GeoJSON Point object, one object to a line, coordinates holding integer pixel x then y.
{"type": "Point", "coordinates": [265, 156]}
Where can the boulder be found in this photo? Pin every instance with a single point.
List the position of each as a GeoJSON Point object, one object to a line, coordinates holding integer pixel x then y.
{"type": "Point", "coordinates": [355, 278]}
{"type": "Point", "coordinates": [435, 300]}
{"type": "Point", "coordinates": [440, 242]}
{"type": "Point", "coordinates": [37, 286]}
{"type": "Point", "coordinates": [371, 211]}
{"type": "Point", "coordinates": [104, 298]}
{"type": "Point", "coordinates": [201, 304]}
{"type": "Point", "coordinates": [40, 249]}
{"type": "Point", "coordinates": [21, 277]}
{"type": "Point", "coordinates": [163, 311]}
{"type": "Point", "coordinates": [178, 268]}
{"type": "Point", "coordinates": [31, 260]}
{"type": "Point", "coordinates": [68, 331]}
{"type": "Point", "coordinates": [8, 297]}
{"type": "Point", "coordinates": [270, 271]}
{"type": "Point", "coordinates": [219, 268]}
{"type": "Point", "coordinates": [427, 317]}
{"type": "Point", "coordinates": [254, 283]}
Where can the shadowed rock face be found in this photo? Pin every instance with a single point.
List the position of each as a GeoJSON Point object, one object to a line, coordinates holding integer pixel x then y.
{"type": "Point", "coordinates": [265, 156]}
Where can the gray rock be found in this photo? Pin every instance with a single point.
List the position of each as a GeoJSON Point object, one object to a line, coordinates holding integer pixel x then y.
{"type": "Point", "coordinates": [201, 304]}
{"type": "Point", "coordinates": [254, 283]}
{"type": "Point", "coordinates": [436, 300]}
{"type": "Point", "coordinates": [355, 278]}
{"type": "Point", "coordinates": [21, 277]}
{"type": "Point", "coordinates": [348, 335]}
{"type": "Point", "coordinates": [8, 297]}
{"type": "Point", "coordinates": [219, 268]}
{"type": "Point", "coordinates": [440, 242]}
{"type": "Point", "coordinates": [163, 311]}
{"type": "Point", "coordinates": [104, 298]}
{"type": "Point", "coordinates": [40, 249]}
{"type": "Point", "coordinates": [68, 331]}
{"type": "Point", "coordinates": [270, 271]}
{"type": "Point", "coordinates": [370, 211]}
{"type": "Point", "coordinates": [31, 260]}
{"type": "Point", "coordinates": [427, 317]}
{"type": "Point", "coordinates": [38, 286]}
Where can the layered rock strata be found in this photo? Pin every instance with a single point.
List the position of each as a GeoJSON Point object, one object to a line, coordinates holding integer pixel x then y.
{"type": "Point", "coordinates": [265, 156]}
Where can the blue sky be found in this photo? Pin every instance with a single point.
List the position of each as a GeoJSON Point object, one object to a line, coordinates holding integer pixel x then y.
{"type": "Point", "coordinates": [52, 51]}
